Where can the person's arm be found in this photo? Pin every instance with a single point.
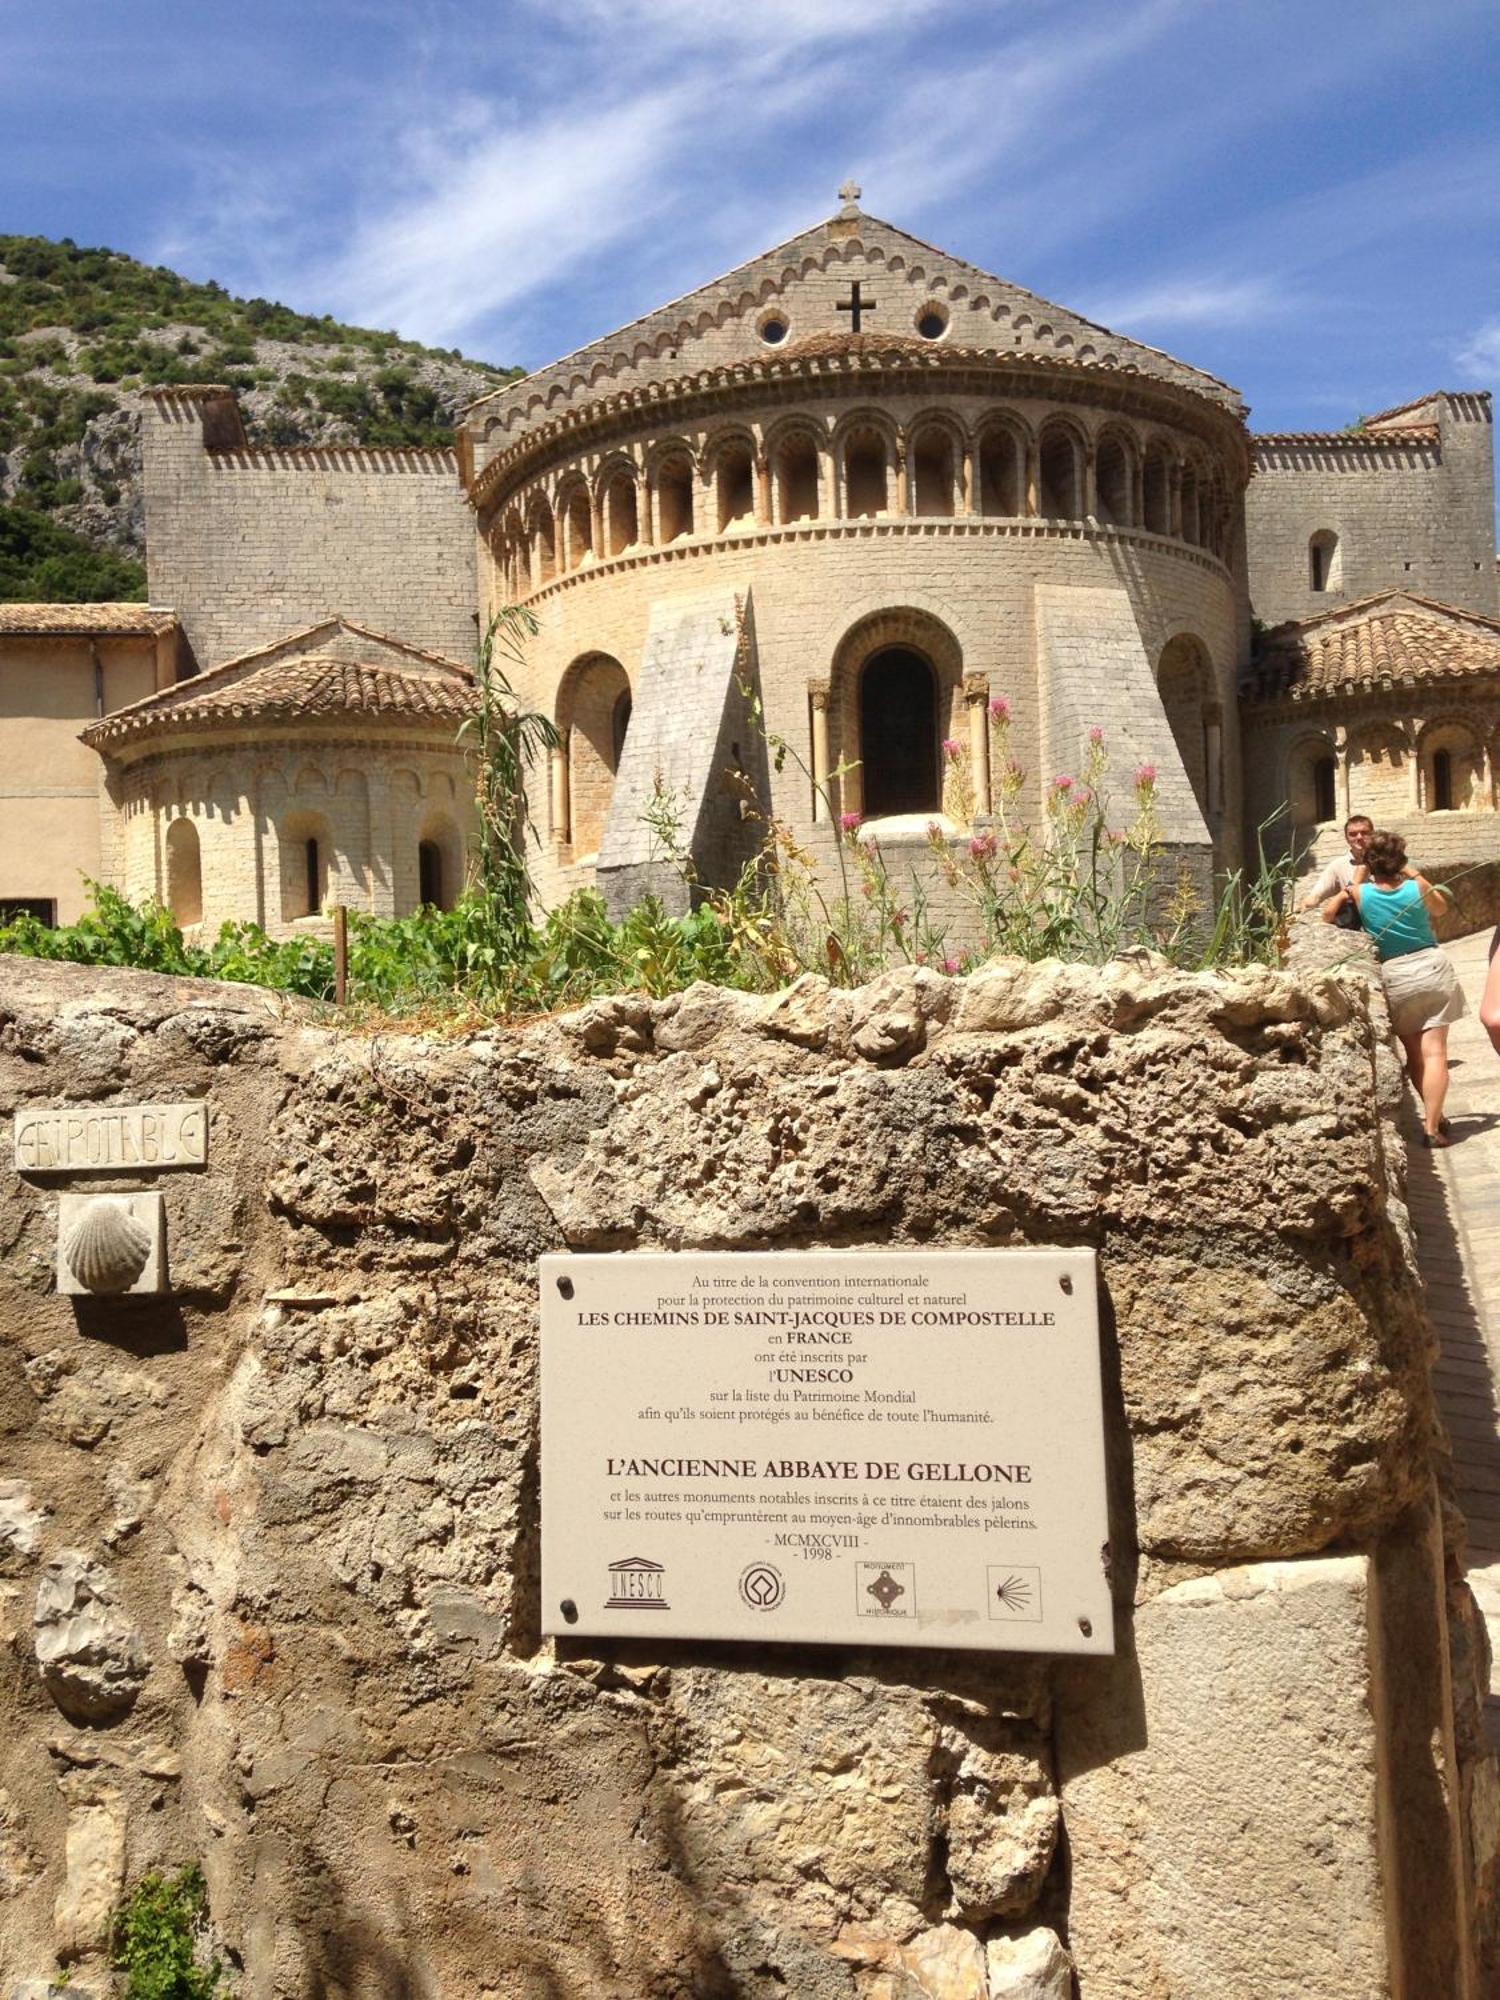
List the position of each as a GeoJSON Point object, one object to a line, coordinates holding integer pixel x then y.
{"type": "Point", "coordinates": [1322, 889]}
{"type": "Point", "coordinates": [1335, 903]}
{"type": "Point", "coordinates": [1434, 901]}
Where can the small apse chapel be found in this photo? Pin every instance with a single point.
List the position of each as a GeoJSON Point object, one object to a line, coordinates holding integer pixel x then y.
{"type": "Point", "coordinates": [856, 477]}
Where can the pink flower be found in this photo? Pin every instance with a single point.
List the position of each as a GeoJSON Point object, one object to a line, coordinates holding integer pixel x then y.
{"type": "Point", "coordinates": [849, 821]}
{"type": "Point", "coordinates": [1145, 777]}
{"type": "Point", "coordinates": [982, 846]}
{"type": "Point", "coordinates": [934, 833]}
{"type": "Point", "coordinates": [1063, 784]}
{"type": "Point", "coordinates": [999, 708]}
{"type": "Point", "coordinates": [953, 965]}
{"type": "Point", "coordinates": [952, 749]}
{"type": "Point", "coordinates": [1096, 735]}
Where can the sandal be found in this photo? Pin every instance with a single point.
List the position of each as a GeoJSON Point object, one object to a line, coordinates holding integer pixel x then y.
{"type": "Point", "coordinates": [1435, 1140]}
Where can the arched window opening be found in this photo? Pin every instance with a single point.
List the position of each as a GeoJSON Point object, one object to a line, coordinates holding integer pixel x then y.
{"type": "Point", "coordinates": [796, 478]}
{"type": "Point", "coordinates": [579, 538]}
{"type": "Point", "coordinates": [1112, 477]}
{"type": "Point", "coordinates": [1454, 775]}
{"type": "Point", "coordinates": [594, 720]}
{"type": "Point", "coordinates": [184, 873]}
{"type": "Point", "coordinates": [736, 487]}
{"type": "Point", "coordinates": [619, 728]}
{"type": "Point", "coordinates": [1058, 469]}
{"type": "Point", "coordinates": [865, 475]}
{"type": "Point", "coordinates": [932, 472]}
{"type": "Point", "coordinates": [1000, 474]}
{"type": "Point", "coordinates": [1156, 493]}
{"type": "Point", "coordinates": [430, 874]}
{"type": "Point", "coordinates": [1325, 794]}
{"type": "Point", "coordinates": [621, 521]}
{"type": "Point", "coordinates": [1323, 561]}
{"type": "Point", "coordinates": [1442, 781]}
{"type": "Point", "coordinates": [674, 498]}
{"type": "Point", "coordinates": [543, 547]}
{"type": "Point", "coordinates": [898, 734]}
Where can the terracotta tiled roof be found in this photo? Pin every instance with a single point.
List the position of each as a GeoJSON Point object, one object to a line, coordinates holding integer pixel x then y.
{"type": "Point", "coordinates": [145, 621]}
{"type": "Point", "coordinates": [1393, 639]}
{"type": "Point", "coordinates": [332, 672]}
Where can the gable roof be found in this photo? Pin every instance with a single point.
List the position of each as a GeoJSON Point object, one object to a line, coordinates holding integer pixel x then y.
{"type": "Point", "coordinates": [89, 621]}
{"type": "Point", "coordinates": [330, 671]}
{"type": "Point", "coordinates": [719, 323]}
{"type": "Point", "coordinates": [1394, 638]}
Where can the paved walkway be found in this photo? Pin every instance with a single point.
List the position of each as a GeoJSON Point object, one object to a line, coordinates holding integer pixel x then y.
{"type": "Point", "coordinates": [1455, 1206]}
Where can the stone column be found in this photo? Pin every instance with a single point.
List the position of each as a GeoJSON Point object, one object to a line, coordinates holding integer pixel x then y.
{"type": "Point", "coordinates": [828, 484]}
{"type": "Point", "coordinates": [645, 527]}
{"type": "Point", "coordinates": [818, 695]}
{"type": "Point", "coordinates": [1033, 479]}
{"type": "Point", "coordinates": [596, 522]}
{"type": "Point", "coordinates": [1174, 501]}
{"type": "Point", "coordinates": [1090, 484]}
{"type": "Point", "coordinates": [561, 807]}
{"type": "Point", "coordinates": [1213, 754]}
{"type": "Point", "coordinates": [895, 485]}
{"type": "Point", "coordinates": [977, 697]}
{"type": "Point", "coordinates": [1138, 495]}
{"type": "Point", "coordinates": [1341, 763]}
{"type": "Point", "coordinates": [653, 510]}
{"type": "Point", "coordinates": [966, 479]}
{"type": "Point", "coordinates": [1408, 735]}
{"type": "Point", "coordinates": [762, 491]}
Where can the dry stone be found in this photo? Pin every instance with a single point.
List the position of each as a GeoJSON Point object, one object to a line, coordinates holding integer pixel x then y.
{"type": "Point", "coordinates": [1028, 1964]}
{"type": "Point", "coordinates": [92, 1656]}
{"type": "Point", "coordinates": [95, 1876]}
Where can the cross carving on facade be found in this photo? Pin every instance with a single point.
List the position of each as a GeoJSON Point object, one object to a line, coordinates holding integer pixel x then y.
{"type": "Point", "coordinates": [854, 305]}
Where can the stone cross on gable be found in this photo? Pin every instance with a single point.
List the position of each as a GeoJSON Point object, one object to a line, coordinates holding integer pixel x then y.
{"type": "Point", "coordinates": [850, 191]}
{"type": "Point", "coordinates": [855, 305]}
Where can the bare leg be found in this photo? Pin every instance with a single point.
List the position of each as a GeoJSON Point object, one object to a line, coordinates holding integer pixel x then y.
{"type": "Point", "coordinates": [1412, 1044]}
{"type": "Point", "coordinates": [1433, 1087]}
{"type": "Point", "coordinates": [1489, 1000]}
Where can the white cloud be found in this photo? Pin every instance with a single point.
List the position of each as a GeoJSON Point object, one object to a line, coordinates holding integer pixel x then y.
{"type": "Point", "coordinates": [1196, 301]}
{"type": "Point", "coordinates": [1480, 354]}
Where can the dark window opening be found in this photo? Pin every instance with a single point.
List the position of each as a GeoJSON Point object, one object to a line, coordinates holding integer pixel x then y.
{"type": "Point", "coordinates": [1321, 551]}
{"type": "Point", "coordinates": [898, 734]}
{"type": "Point", "coordinates": [313, 862]}
{"type": "Point", "coordinates": [773, 331]}
{"type": "Point", "coordinates": [1324, 805]}
{"type": "Point", "coordinates": [430, 874]}
{"type": "Point", "coordinates": [1442, 781]}
{"type": "Point", "coordinates": [43, 908]}
{"type": "Point", "coordinates": [933, 323]}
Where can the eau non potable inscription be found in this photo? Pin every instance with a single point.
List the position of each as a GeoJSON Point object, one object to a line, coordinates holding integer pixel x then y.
{"type": "Point", "coordinates": [860, 1448]}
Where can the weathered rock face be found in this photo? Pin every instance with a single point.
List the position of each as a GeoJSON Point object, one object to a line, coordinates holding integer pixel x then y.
{"type": "Point", "coordinates": [310, 1477]}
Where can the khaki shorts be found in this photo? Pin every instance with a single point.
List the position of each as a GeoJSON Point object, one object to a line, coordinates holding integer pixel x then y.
{"type": "Point", "coordinates": [1422, 991]}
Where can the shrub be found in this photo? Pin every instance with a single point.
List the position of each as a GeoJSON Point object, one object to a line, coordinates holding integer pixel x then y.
{"type": "Point", "coordinates": [158, 1934]}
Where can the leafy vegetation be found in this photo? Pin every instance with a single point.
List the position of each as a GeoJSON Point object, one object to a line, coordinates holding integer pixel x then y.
{"type": "Point", "coordinates": [158, 1934]}
{"type": "Point", "coordinates": [43, 563]}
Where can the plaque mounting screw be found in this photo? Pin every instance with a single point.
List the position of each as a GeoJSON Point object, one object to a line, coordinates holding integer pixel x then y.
{"type": "Point", "coordinates": [569, 1611]}
{"type": "Point", "coordinates": [1066, 1282]}
{"type": "Point", "coordinates": [565, 1286]}
{"type": "Point", "coordinates": [1085, 1626]}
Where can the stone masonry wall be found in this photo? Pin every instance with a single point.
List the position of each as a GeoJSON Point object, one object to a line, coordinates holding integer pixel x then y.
{"type": "Point", "coordinates": [247, 546]}
{"type": "Point", "coordinates": [269, 1547]}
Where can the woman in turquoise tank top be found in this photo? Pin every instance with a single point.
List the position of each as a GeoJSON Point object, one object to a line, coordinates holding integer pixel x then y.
{"type": "Point", "coordinates": [1421, 987]}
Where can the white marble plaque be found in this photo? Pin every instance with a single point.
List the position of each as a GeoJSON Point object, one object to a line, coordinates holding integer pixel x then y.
{"type": "Point", "coordinates": [110, 1138]}
{"type": "Point", "coordinates": [836, 1447]}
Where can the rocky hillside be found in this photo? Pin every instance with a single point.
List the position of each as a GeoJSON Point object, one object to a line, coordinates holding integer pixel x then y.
{"type": "Point", "coordinates": [84, 333]}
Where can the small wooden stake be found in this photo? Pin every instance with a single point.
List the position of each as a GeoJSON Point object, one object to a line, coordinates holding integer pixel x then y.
{"type": "Point", "coordinates": [340, 954]}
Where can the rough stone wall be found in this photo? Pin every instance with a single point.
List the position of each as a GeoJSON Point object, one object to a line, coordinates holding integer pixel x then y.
{"type": "Point", "coordinates": [248, 546]}
{"type": "Point", "coordinates": [1408, 515]}
{"type": "Point", "coordinates": [268, 1549]}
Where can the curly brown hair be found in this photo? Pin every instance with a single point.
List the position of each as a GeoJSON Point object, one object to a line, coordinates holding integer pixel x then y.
{"type": "Point", "coordinates": [1385, 857]}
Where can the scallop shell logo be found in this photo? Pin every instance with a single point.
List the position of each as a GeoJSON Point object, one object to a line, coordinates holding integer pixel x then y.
{"type": "Point", "coordinates": [107, 1248]}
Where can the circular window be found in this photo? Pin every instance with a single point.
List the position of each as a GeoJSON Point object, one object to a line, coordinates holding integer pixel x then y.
{"type": "Point", "coordinates": [932, 322]}
{"type": "Point", "coordinates": [773, 329]}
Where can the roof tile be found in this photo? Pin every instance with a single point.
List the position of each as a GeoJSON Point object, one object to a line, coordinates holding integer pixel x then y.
{"type": "Point", "coordinates": [1393, 639]}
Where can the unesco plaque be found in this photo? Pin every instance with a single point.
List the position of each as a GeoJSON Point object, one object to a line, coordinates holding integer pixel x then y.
{"type": "Point", "coordinates": [855, 1448]}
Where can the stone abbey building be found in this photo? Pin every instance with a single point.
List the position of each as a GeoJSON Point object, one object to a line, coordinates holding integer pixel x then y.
{"type": "Point", "coordinates": [856, 477]}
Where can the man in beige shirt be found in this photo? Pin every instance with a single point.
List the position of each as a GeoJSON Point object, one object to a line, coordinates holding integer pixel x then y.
{"type": "Point", "coordinates": [1340, 874]}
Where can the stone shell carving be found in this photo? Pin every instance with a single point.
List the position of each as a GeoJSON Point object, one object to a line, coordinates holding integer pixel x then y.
{"type": "Point", "coordinates": [107, 1248]}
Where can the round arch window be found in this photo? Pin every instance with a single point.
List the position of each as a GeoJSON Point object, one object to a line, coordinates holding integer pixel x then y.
{"type": "Point", "coordinates": [774, 329]}
{"type": "Point", "coordinates": [932, 321]}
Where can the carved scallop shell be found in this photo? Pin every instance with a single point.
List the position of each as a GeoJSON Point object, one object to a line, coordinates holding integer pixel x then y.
{"type": "Point", "coordinates": [107, 1248]}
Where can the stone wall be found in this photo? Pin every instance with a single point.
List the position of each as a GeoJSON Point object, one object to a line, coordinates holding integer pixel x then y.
{"type": "Point", "coordinates": [268, 1548]}
{"type": "Point", "coordinates": [249, 545]}
{"type": "Point", "coordinates": [1410, 513]}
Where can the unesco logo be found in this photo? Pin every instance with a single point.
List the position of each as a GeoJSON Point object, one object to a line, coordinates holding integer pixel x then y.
{"type": "Point", "coordinates": [762, 1586]}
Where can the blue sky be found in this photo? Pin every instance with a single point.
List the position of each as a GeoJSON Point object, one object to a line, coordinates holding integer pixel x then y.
{"type": "Point", "coordinates": [1301, 196]}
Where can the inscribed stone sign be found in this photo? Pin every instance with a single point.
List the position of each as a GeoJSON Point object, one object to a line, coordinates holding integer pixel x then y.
{"type": "Point", "coordinates": [851, 1447]}
{"type": "Point", "coordinates": [110, 1138]}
